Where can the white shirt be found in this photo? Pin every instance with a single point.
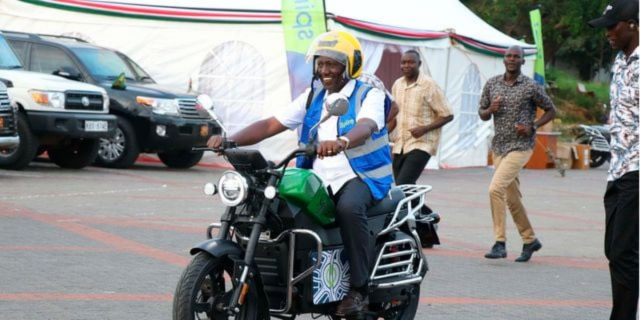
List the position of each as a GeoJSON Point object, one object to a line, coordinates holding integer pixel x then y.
{"type": "Point", "coordinates": [334, 171]}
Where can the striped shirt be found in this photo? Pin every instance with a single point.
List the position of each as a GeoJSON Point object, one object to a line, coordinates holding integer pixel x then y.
{"type": "Point", "coordinates": [419, 103]}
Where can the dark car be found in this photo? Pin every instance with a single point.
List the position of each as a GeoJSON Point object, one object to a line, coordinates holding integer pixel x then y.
{"type": "Point", "coordinates": [151, 118]}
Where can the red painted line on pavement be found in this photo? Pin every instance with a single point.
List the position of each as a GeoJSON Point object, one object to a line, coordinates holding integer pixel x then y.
{"type": "Point", "coordinates": [57, 296]}
{"type": "Point", "coordinates": [56, 248]}
{"type": "Point", "coordinates": [517, 302]}
{"type": "Point", "coordinates": [579, 263]}
{"type": "Point", "coordinates": [115, 241]}
{"type": "Point", "coordinates": [127, 297]}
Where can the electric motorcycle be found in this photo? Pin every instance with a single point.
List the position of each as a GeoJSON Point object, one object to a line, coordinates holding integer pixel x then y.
{"type": "Point", "coordinates": [597, 137]}
{"type": "Point", "coordinates": [278, 251]}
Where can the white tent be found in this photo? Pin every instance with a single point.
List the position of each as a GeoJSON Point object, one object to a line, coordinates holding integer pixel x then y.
{"type": "Point", "coordinates": [234, 51]}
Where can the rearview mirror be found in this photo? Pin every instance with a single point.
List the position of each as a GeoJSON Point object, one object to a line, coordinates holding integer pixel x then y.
{"type": "Point", "coordinates": [337, 104]}
{"type": "Point", "coordinates": [205, 103]}
{"type": "Point", "coordinates": [68, 73]}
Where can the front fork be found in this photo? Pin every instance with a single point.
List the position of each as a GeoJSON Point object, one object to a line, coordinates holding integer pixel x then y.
{"type": "Point", "coordinates": [237, 299]}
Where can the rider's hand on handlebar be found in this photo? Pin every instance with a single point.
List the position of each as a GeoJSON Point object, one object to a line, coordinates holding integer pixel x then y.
{"type": "Point", "coordinates": [329, 148]}
{"type": "Point", "coordinates": [215, 142]}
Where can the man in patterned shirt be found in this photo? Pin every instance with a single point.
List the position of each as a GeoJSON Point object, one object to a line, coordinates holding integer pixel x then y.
{"type": "Point", "coordinates": [620, 18]}
{"type": "Point", "coordinates": [511, 100]}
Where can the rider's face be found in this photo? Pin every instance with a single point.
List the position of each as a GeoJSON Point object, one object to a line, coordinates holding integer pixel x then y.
{"type": "Point", "coordinates": [331, 73]}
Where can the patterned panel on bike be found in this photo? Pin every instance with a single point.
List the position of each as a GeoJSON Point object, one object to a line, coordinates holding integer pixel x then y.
{"type": "Point", "coordinates": [331, 279]}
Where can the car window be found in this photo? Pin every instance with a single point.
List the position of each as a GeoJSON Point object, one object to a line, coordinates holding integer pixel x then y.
{"type": "Point", "coordinates": [142, 75]}
{"type": "Point", "coordinates": [7, 57]}
{"type": "Point", "coordinates": [103, 64]}
{"type": "Point", "coordinates": [20, 48]}
{"type": "Point", "coordinates": [47, 59]}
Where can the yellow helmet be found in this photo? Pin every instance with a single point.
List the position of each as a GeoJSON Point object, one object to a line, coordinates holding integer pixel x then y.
{"type": "Point", "coordinates": [340, 46]}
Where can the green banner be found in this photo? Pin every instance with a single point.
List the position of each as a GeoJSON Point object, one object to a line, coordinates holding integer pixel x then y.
{"type": "Point", "coordinates": [536, 28]}
{"type": "Point", "coordinates": [303, 21]}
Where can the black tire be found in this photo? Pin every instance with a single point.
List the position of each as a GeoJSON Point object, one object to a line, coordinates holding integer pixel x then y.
{"type": "Point", "coordinates": [121, 150]}
{"type": "Point", "coordinates": [20, 157]}
{"type": "Point", "coordinates": [598, 158]}
{"type": "Point", "coordinates": [183, 159]}
{"type": "Point", "coordinates": [204, 282]}
{"type": "Point", "coordinates": [404, 310]}
{"type": "Point", "coordinates": [77, 154]}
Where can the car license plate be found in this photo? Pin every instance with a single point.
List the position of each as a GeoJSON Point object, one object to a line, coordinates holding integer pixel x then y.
{"type": "Point", "coordinates": [96, 126]}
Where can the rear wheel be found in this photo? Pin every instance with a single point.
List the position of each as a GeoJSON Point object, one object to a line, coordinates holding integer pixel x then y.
{"type": "Point", "coordinates": [19, 158]}
{"type": "Point", "coordinates": [400, 310]}
{"type": "Point", "coordinates": [182, 159]}
{"type": "Point", "coordinates": [76, 154]}
{"type": "Point", "coordinates": [598, 158]}
{"type": "Point", "coordinates": [205, 288]}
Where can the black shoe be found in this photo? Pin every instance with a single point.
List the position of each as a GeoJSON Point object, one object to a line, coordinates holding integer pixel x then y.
{"type": "Point", "coordinates": [352, 303]}
{"type": "Point", "coordinates": [528, 250]}
{"type": "Point", "coordinates": [497, 251]}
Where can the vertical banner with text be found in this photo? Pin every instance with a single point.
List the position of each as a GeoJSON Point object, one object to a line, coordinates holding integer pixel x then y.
{"type": "Point", "coordinates": [303, 21]}
{"type": "Point", "coordinates": [536, 28]}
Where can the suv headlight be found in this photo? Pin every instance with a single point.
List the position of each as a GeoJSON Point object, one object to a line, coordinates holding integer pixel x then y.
{"type": "Point", "coordinates": [168, 107]}
{"type": "Point", "coordinates": [53, 99]}
{"type": "Point", "coordinates": [233, 188]}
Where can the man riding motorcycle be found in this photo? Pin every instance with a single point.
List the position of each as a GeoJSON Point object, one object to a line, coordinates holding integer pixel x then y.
{"type": "Point", "coordinates": [352, 155]}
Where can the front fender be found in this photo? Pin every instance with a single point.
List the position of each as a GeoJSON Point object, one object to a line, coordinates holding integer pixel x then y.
{"type": "Point", "coordinates": [218, 248]}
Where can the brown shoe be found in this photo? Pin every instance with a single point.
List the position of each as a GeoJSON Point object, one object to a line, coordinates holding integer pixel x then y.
{"type": "Point", "coordinates": [352, 303]}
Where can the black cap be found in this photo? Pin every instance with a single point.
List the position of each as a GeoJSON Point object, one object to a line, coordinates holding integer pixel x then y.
{"type": "Point", "coordinates": [616, 11]}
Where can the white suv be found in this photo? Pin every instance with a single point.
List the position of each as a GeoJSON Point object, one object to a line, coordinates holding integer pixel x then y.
{"type": "Point", "coordinates": [63, 117]}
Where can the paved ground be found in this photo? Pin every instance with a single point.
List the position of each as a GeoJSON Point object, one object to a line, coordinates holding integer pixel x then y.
{"type": "Point", "coordinates": [111, 244]}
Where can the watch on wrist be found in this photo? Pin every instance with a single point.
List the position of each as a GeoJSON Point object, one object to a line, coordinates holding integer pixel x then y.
{"type": "Point", "coordinates": [345, 140]}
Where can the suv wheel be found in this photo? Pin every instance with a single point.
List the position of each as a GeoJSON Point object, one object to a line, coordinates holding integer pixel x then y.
{"type": "Point", "coordinates": [182, 159]}
{"type": "Point", "coordinates": [20, 157]}
{"type": "Point", "coordinates": [77, 154]}
{"type": "Point", "coordinates": [121, 150]}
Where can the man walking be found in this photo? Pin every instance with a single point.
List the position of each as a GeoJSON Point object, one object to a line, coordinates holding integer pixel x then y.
{"type": "Point", "coordinates": [423, 110]}
{"type": "Point", "coordinates": [620, 18]}
{"type": "Point", "coordinates": [511, 100]}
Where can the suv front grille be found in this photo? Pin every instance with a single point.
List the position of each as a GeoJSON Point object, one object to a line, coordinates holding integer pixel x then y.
{"type": "Point", "coordinates": [188, 109]}
{"type": "Point", "coordinates": [7, 116]}
{"type": "Point", "coordinates": [86, 101]}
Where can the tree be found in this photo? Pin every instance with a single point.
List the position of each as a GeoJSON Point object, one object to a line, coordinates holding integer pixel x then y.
{"type": "Point", "coordinates": [567, 36]}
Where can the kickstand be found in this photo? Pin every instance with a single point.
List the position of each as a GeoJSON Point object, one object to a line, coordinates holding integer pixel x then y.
{"type": "Point", "coordinates": [557, 163]}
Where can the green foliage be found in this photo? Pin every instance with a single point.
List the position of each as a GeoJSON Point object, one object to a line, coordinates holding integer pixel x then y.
{"type": "Point", "coordinates": [567, 36]}
{"type": "Point", "coordinates": [577, 107]}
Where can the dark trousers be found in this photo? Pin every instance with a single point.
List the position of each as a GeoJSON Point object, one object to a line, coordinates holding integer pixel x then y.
{"type": "Point", "coordinates": [352, 202]}
{"type": "Point", "coordinates": [621, 244]}
{"type": "Point", "coordinates": [407, 168]}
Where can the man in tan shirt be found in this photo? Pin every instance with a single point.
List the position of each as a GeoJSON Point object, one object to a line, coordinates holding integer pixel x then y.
{"type": "Point", "coordinates": [423, 111]}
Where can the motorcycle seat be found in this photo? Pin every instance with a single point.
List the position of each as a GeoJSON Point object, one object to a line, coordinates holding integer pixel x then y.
{"type": "Point", "coordinates": [388, 204]}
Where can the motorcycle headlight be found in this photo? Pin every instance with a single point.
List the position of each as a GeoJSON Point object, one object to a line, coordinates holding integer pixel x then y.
{"type": "Point", "coordinates": [233, 188]}
{"type": "Point", "coordinates": [53, 99]}
{"type": "Point", "coordinates": [168, 107]}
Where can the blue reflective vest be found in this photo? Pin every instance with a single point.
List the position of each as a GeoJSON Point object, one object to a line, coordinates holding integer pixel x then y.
{"type": "Point", "coordinates": [371, 161]}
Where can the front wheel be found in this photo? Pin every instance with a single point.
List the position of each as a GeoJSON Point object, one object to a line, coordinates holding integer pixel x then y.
{"type": "Point", "coordinates": [205, 288]}
{"type": "Point", "coordinates": [182, 159]}
{"type": "Point", "coordinates": [121, 150]}
{"type": "Point", "coordinates": [76, 154]}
